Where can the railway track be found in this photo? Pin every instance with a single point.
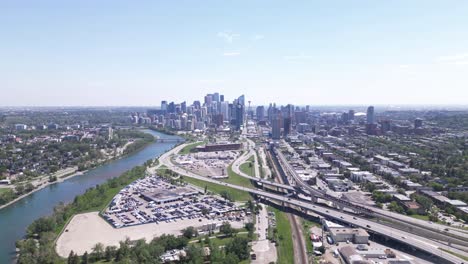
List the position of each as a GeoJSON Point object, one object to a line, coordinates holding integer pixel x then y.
{"type": "Point", "coordinates": [300, 249]}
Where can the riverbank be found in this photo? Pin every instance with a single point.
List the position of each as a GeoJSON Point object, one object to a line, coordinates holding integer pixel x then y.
{"type": "Point", "coordinates": [42, 184]}
{"type": "Point", "coordinates": [20, 215]}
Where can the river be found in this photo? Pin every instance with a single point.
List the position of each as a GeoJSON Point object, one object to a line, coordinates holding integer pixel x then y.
{"type": "Point", "coordinates": [15, 218]}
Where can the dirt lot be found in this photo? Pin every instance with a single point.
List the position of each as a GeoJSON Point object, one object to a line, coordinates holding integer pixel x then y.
{"type": "Point", "coordinates": [86, 230]}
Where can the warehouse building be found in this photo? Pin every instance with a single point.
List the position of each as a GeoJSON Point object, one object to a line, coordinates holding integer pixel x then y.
{"type": "Point", "coordinates": [354, 235]}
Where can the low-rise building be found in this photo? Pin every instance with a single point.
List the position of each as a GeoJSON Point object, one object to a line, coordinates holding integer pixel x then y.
{"type": "Point", "coordinates": [456, 203]}
{"type": "Point", "coordinates": [219, 147]}
{"type": "Point", "coordinates": [413, 206]}
{"type": "Point", "coordinates": [351, 256]}
{"type": "Point", "coordinates": [436, 197]}
{"type": "Point", "coordinates": [459, 189]}
{"type": "Point", "coordinates": [354, 235]}
{"type": "Point", "coordinates": [408, 171]}
{"type": "Point", "coordinates": [358, 176]}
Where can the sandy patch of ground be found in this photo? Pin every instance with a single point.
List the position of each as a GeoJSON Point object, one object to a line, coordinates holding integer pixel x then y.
{"type": "Point", "coordinates": [263, 248]}
{"type": "Point", "coordinates": [86, 230]}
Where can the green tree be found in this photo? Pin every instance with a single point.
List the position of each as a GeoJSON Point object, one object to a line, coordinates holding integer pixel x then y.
{"type": "Point", "coordinates": [194, 254]}
{"type": "Point", "coordinates": [231, 259]}
{"type": "Point", "coordinates": [226, 229]}
{"type": "Point", "coordinates": [98, 251]}
{"type": "Point", "coordinates": [73, 258]}
{"type": "Point", "coordinates": [238, 246]}
{"type": "Point", "coordinates": [20, 188]}
{"type": "Point", "coordinates": [395, 207]}
{"type": "Point", "coordinates": [437, 187]}
{"type": "Point", "coordinates": [29, 187]}
{"type": "Point", "coordinates": [226, 195]}
{"type": "Point", "coordinates": [425, 202]}
{"type": "Point", "coordinates": [250, 227]}
{"type": "Point", "coordinates": [110, 253]}
{"type": "Point", "coordinates": [85, 258]}
{"type": "Point", "coordinates": [189, 232]}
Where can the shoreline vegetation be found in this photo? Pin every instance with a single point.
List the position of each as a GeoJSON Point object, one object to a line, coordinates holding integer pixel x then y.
{"type": "Point", "coordinates": [38, 245]}
{"type": "Point", "coordinates": [12, 197]}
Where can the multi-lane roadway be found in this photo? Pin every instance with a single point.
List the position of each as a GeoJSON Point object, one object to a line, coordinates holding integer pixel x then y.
{"type": "Point", "coordinates": [421, 243]}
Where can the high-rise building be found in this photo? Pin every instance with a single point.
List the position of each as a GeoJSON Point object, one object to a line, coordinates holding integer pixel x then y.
{"type": "Point", "coordinates": [183, 107]}
{"type": "Point", "coordinates": [300, 117]}
{"type": "Point", "coordinates": [239, 116]}
{"type": "Point", "coordinates": [288, 118]}
{"type": "Point", "coordinates": [197, 104]}
{"type": "Point", "coordinates": [260, 113]}
{"type": "Point", "coordinates": [385, 126]}
{"type": "Point", "coordinates": [221, 98]}
{"type": "Point", "coordinates": [351, 115]}
{"type": "Point", "coordinates": [241, 100]}
{"type": "Point", "coordinates": [345, 117]}
{"type": "Point", "coordinates": [418, 123]}
{"type": "Point", "coordinates": [276, 127]}
{"type": "Point", "coordinates": [287, 126]}
{"type": "Point", "coordinates": [216, 97]}
{"type": "Point", "coordinates": [171, 107]}
{"type": "Point", "coordinates": [208, 99]}
{"type": "Point", "coordinates": [370, 115]}
{"type": "Point", "coordinates": [225, 110]}
{"type": "Point", "coordinates": [218, 119]}
{"type": "Point", "coordinates": [164, 105]}
{"type": "Point", "coordinates": [178, 109]}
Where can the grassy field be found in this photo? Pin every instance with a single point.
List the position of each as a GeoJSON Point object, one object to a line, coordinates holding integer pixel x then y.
{"type": "Point", "coordinates": [425, 218]}
{"type": "Point", "coordinates": [455, 254]}
{"type": "Point", "coordinates": [2, 190]}
{"type": "Point", "coordinates": [305, 227]}
{"type": "Point", "coordinates": [190, 147]}
{"type": "Point", "coordinates": [285, 248]}
{"type": "Point", "coordinates": [218, 241]}
{"type": "Point", "coordinates": [236, 179]}
{"type": "Point", "coordinates": [421, 217]}
{"type": "Point", "coordinates": [247, 169]}
{"type": "Point", "coordinates": [235, 194]}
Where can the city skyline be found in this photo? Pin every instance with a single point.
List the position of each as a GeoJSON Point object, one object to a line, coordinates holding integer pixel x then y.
{"type": "Point", "coordinates": [101, 54]}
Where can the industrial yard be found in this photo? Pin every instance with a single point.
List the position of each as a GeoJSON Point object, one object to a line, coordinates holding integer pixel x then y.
{"type": "Point", "coordinates": [148, 208]}
{"type": "Point", "coordinates": [210, 164]}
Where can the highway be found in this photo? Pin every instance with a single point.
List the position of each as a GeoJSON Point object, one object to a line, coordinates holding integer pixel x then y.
{"type": "Point", "coordinates": [242, 159]}
{"type": "Point", "coordinates": [433, 230]}
{"type": "Point", "coordinates": [299, 243]}
{"type": "Point", "coordinates": [420, 243]}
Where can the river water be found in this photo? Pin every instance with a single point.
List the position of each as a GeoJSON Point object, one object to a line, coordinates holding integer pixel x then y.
{"type": "Point", "coordinates": [15, 218]}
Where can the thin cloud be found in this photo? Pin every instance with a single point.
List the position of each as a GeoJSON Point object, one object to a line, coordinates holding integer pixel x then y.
{"type": "Point", "coordinates": [211, 81]}
{"type": "Point", "coordinates": [461, 62]}
{"type": "Point", "coordinates": [454, 58]}
{"type": "Point", "coordinates": [298, 57]}
{"type": "Point", "coordinates": [258, 37]}
{"type": "Point", "coordinates": [228, 37]}
{"type": "Point", "coordinates": [459, 59]}
{"type": "Point", "coordinates": [231, 54]}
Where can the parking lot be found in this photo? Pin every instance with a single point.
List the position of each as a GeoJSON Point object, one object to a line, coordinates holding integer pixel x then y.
{"type": "Point", "coordinates": [154, 200]}
{"type": "Point", "coordinates": [211, 164]}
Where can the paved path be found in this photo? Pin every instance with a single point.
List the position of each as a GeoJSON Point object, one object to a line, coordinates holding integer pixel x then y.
{"type": "Point", "coordinates": [263, 248]}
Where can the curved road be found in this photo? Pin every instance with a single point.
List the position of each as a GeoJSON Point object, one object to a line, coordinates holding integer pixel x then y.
{"type": "Point", "coordinates": [300, 250]}
{"type": "Point", "coordinates": [421, 243]}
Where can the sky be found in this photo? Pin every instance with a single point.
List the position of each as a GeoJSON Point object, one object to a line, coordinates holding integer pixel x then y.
{"type": "Point", "coordinates": [137, 53]}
